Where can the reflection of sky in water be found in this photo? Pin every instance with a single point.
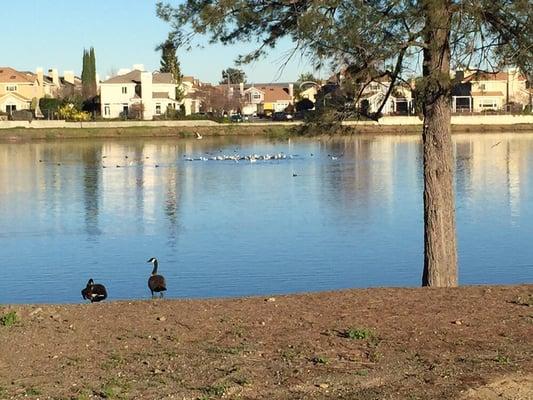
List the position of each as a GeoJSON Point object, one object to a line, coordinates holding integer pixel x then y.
{"type": "Point", "coordinates": [229, 229]}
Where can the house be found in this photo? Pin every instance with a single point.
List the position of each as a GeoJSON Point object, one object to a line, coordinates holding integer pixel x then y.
{"type": "Point", "coordinates": [138, 94]}
{"type": "Point", "coordinates": [310, 93]}
{"type": "Point", "coordinates": [400, 100]}
{"type": "Point", "coordinates": [478, 91]}
{"type": "Point", "coordinates": [266, 98]}
{"type": "Point", "coordinates": [17, 90]}
{"type": "Point", "coordinates": [369, 94]}
{"type": "Point", "coordinates": [192, 94]}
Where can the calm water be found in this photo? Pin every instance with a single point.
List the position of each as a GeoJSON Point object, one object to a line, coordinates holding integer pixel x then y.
{"type": "Point", "coordinates": [221, 228]}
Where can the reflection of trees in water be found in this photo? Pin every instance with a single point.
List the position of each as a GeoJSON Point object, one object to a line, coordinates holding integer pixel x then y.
{"type": "Point", "coordinates": [91, 157]}
{"type": "Point", "coordinates": [173, 186]}
{"type": "Point", "coordinates": [463, 167]}
{"type": "Point", "coordinates": [358, 180]}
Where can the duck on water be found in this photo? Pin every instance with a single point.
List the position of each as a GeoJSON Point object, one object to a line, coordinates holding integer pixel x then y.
{"type": "Point", "coordinates": [156, 282]}
{"type": "Point", "coordinates": [94, 292]}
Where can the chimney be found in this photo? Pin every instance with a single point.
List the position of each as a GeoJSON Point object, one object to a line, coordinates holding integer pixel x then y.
{"type": "Point", "coordinates": [40, 81]}
{"type": "Point", "coordinates": [139, 67]}
{"type": "Point", "coordinates": [40, 75]}
{"type": "Point", "coordinates": [146, 95]}
{"type": "Point", "coordinates": [68, 76]}
{"type": "Point", "coordinates": [291, 91]}
{"type": "Point", "coordinates": [241, 88]}
{"type": "Point", "coordinates": [54, 75]}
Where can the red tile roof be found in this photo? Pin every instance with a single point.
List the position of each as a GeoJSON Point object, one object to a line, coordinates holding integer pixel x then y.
{"type": "Point", "coordinates": [274, 93]}
{"type": "Point", "coordinates": [8, 75]}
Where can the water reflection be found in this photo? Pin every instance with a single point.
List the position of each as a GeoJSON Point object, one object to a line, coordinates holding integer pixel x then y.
{"type": "Point", "coordinates": [78, 209]}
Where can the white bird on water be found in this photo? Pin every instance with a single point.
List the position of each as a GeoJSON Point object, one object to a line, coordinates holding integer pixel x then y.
{"type": "Point", "coordinates": [198, 136]}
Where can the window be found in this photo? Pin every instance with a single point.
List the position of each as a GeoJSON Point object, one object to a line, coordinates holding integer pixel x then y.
{"type": "Point", "coordinates": [488, 103]}
{"type": "Point", "coordinates": [124, 89]}
{"type": "Point", "coordinates": [125, 109]}
{"type": "Point", "coordinates": [481, 86]}
{"type": "Point", "coordinates": [107, 110]}
{"type": "Point", "coordinates": [11, 88]}
{"type": "Point", "coordinates": [158, 108]}
{"type": "Point", "coordinates": [256, 96]}
{"type": "Point", "coordinates": [10, 108]}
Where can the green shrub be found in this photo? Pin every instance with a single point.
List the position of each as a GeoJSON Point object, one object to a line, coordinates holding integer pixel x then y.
{"type": "Point", "coordinates": [9, 319]}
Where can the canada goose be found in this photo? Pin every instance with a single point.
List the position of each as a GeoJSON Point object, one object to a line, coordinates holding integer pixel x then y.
{"type": "Point", "coordinates": [94, 292]}
{"type": "Point", "coordinates": [156, 282]}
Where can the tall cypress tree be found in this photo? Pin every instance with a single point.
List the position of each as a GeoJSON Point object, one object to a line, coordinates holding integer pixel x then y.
{"type": "Point", "coordinates": [85, 76]}
{"type": "Point", "coordinates": [92, 78]}
{"type": "Point", "coordinates": [170, 63]}
{"type": "Point", "coordinates": [88, 74]}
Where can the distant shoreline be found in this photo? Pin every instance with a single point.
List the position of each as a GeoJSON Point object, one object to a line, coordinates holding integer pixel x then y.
{"type": "Point", "coordinates": [273, 130]}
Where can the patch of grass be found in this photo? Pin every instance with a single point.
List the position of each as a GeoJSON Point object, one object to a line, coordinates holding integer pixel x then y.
{"type": "Point", "coordinates": [319, 360]}
{"type": "Point", "coordinates": [501, 359]}
{"type": "Point", "coordinates": [82, 396]}
{"type": "Point", "coordinates": [112, 362]}
{"type": "Point", "coordinates": [214, 390]}
{"type": "Point", "coordinates": [524, 300]}
{"type": "Point", "coordinates": [9, 319]}
{"type": "Point", "coordinates": [114, 389]}
{"type": "Point", "coordinates": [32, 392]}
{"type": "Point", "coordinates": [242, 381]}
{"type": "Point", "coordinates": [357, 334]}
{"type": "Point", "coordinates": [225, 350]}
{"type": "Point", "coordinates": [361, 372]}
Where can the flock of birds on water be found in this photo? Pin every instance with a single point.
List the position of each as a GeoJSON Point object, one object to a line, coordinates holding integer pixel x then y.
{"type": "Point", "coordinates": [210, 156]}
{"type": "Point", "coordinates": [95, 292]}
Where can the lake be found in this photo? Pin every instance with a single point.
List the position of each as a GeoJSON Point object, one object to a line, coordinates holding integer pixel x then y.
{"type": "Point", "coordinates": [324, 213]}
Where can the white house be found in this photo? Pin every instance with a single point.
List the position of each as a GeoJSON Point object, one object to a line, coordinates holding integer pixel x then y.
{"type": "Point", "coordinates": [138, 92]}
{"type": "Point", "coordinates": [399, 102]}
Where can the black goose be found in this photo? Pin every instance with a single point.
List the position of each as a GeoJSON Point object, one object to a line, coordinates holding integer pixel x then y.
{"type": "Point", "coordinates": [156, 282]}
{"type": "Point", "coordinates": [94, 292]}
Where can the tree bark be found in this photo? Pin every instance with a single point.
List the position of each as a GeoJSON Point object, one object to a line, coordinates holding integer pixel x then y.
{"type": "Point", "coordinates": [440, 253]}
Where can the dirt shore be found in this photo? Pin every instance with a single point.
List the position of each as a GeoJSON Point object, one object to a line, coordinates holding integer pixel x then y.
{"type": "Point", "coordinates": [269, 130]}
{"type": "Point", "coordinates": [465, 343]}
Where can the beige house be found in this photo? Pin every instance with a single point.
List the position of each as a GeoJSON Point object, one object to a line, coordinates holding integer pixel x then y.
{"type": "Point", "coordinates": [17, 89]}
{"type": "Point", "coordinates": [192, 97]}
{"type": "Point", "coordinates": [266, 98]}
{"type": "Point", "coordinates": [490, 91]}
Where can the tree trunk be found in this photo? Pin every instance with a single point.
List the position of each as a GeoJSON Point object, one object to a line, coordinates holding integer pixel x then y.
{"type": "Point", "coordinates": [440, 254]}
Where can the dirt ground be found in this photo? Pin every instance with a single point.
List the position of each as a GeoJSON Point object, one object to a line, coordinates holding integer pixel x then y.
{"type": "Point", "coordinates": [469, 343]}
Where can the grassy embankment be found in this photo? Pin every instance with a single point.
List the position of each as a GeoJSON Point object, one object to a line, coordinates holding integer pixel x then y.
{"type": "Point", "coordinates": [268, 130]}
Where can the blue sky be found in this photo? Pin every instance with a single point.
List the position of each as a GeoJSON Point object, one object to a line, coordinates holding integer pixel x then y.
{"type": "Point", "coordinates": [53, 33]}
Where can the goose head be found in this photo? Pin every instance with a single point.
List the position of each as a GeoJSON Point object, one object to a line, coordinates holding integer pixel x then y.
{"type": "Point", "coordinates": [152, 260]}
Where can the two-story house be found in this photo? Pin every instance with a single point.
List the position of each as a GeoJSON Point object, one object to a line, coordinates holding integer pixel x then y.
{"type": "Point", "coordinates": [191, 88]}
{"type": "Point", "coordinates": [478, 91]}
{"type": "Point", "coordinates": [17, 89]}
{"type": "Point", "coordinates": [143, 93]}
{"type": "Point", "coordinates": [265, 98]}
